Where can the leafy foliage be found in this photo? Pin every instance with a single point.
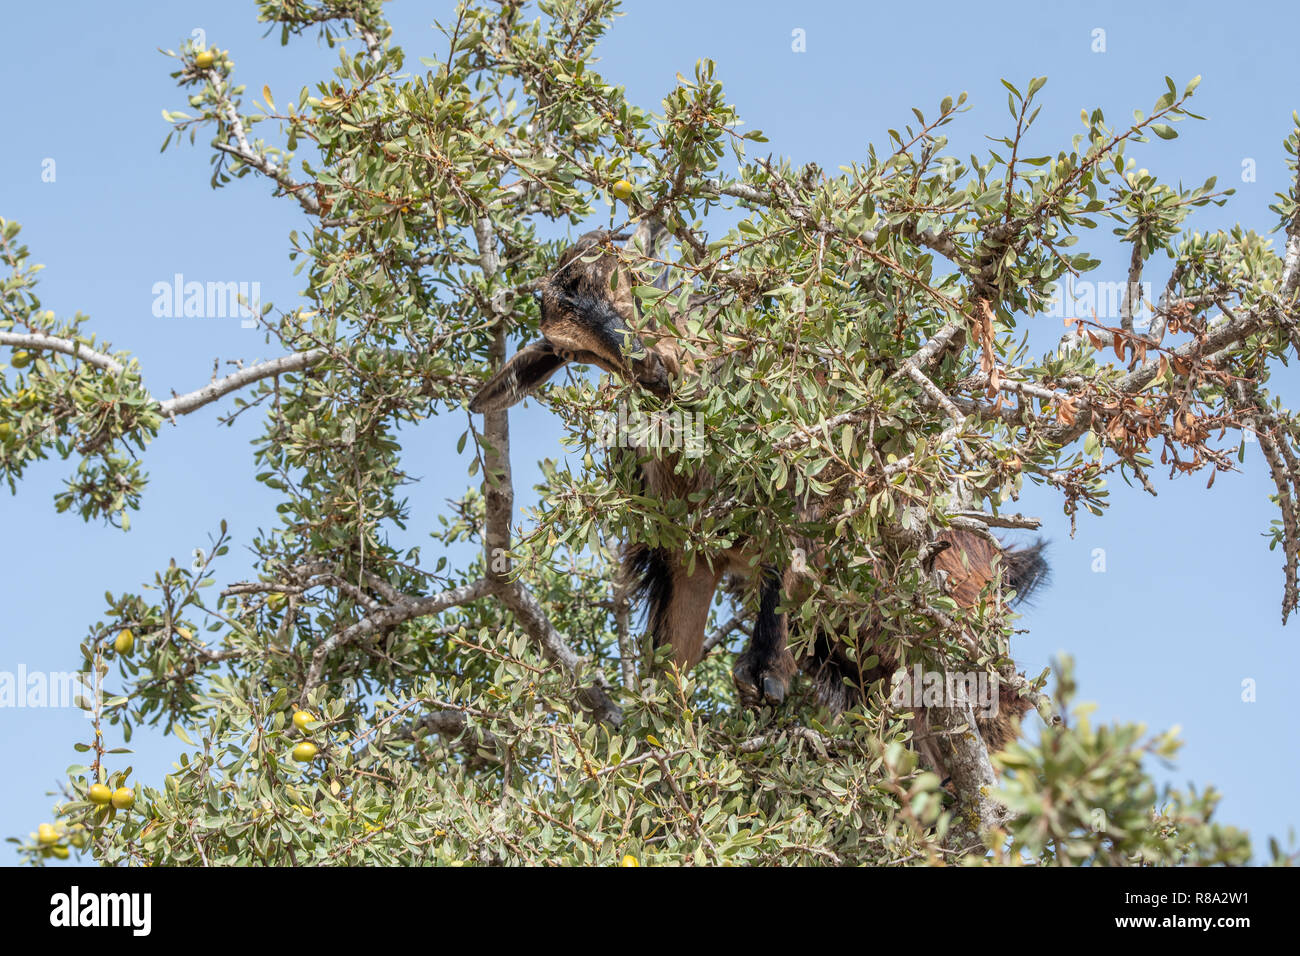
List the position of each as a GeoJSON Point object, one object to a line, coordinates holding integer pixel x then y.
{"type": "Point", "coordinates": [859, 341]}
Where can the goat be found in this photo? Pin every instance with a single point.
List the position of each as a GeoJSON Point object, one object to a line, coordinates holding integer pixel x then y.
{"type": "Point", "coordinates": [586, 310]}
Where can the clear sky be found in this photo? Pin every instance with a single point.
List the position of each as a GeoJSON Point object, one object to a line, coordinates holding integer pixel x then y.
{"type": "Point", "coordinates": [1187, 607]}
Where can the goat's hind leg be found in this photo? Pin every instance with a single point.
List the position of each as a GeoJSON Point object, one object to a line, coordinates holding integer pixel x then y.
{"type": "Point", "coordinates": [678, 598]}
{"type": "Point", "coordinates": [763, 672]}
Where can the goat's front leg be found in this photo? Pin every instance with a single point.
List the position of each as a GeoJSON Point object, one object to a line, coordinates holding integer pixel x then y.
{"type": "Point", "coordinates": [764, 671]}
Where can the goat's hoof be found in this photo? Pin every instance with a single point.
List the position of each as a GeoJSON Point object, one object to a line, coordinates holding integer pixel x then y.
{"type": "Point", "coordinates": [761, 683]}
{"type": "Point", "coordinates": [773, 690]}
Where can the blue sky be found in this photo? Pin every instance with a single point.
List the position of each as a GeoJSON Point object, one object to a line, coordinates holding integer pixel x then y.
{"type": "Point", "coordinates": [1188, 606]}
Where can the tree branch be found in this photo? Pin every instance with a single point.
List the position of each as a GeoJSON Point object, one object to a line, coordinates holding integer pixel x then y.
{"type": "Point", "coordinates": [192, 401]}
{"type": "Point", "coordinates": [387, 617]}
{"type": "Point", "coordinates": [53, 343]}
{"type": "Point", "coordinates": [528, 612]}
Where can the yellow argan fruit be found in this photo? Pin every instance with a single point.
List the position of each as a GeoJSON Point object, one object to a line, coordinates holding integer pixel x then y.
{"type": "Point", "coordinates": [184, 633]}
{"type": "Point", "coordinates": [205, 60]}
{"type": "Point", "coordinates": [305, 752]}
{"type": "Point", "coordinates": [622, 190]}
{"type": "Point", "coordinates": [302, 718]}
{"type": "Point", "coordinates": [6, 431]}
{"type": "Point", "coordinates": [100, 794]}
{"type": "Point", "coordinates": [276, 600]}
{"type": "Point", "coordinates": [20, 359]}
{"type": "Point", "coordinates": [60, 851]}
{"type": "Point", "coordinates": [123, 798]}
{"type": "Point", "coordinates": [46, 834]}
{"type": "Point", "coordinates": [125, 642]}
{"type": "Point", "coordinates": [629, 860]}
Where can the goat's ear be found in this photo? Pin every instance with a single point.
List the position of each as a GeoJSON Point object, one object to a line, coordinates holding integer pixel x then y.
{"type": "Point", "coordinates": [526, 371]}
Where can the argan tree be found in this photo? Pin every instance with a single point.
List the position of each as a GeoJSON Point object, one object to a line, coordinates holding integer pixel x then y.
{"type": "Point", "coordinates": [351, 702]}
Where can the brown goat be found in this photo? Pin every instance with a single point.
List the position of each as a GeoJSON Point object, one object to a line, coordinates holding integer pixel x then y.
{"type": "Point", "coordinates": [586, 313]}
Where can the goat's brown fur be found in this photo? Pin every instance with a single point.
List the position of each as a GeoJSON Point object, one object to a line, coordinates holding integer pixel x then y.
{"type": "Point", "coordinates": [587, 310]}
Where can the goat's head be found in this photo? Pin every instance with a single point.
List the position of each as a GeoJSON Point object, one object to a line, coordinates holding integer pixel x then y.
{"type": "Point", "coordinates": [586, 307]}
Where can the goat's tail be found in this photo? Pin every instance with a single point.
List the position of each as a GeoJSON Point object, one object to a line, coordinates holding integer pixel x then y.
{"type": "Point", "coordinates": [647, 577]}
{"type": "Point", "coordinates": [1025, 569]}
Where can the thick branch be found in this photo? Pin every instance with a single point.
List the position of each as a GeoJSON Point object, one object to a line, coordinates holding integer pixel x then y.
{"type": "Point", "coordinates": [52, 343]}
{"type": "Point", "coordinates": [966, 758]}
{"type": "Point", "coordinates": [191, 401]}
{"type": "Point", "coordinates": [1000, 521]}
{"type": "Point", "coordinates": [499, 496]}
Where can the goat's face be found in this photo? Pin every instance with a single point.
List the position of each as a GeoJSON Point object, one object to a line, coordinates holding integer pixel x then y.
{"type": "Point", "coordinates": [586, 307]}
